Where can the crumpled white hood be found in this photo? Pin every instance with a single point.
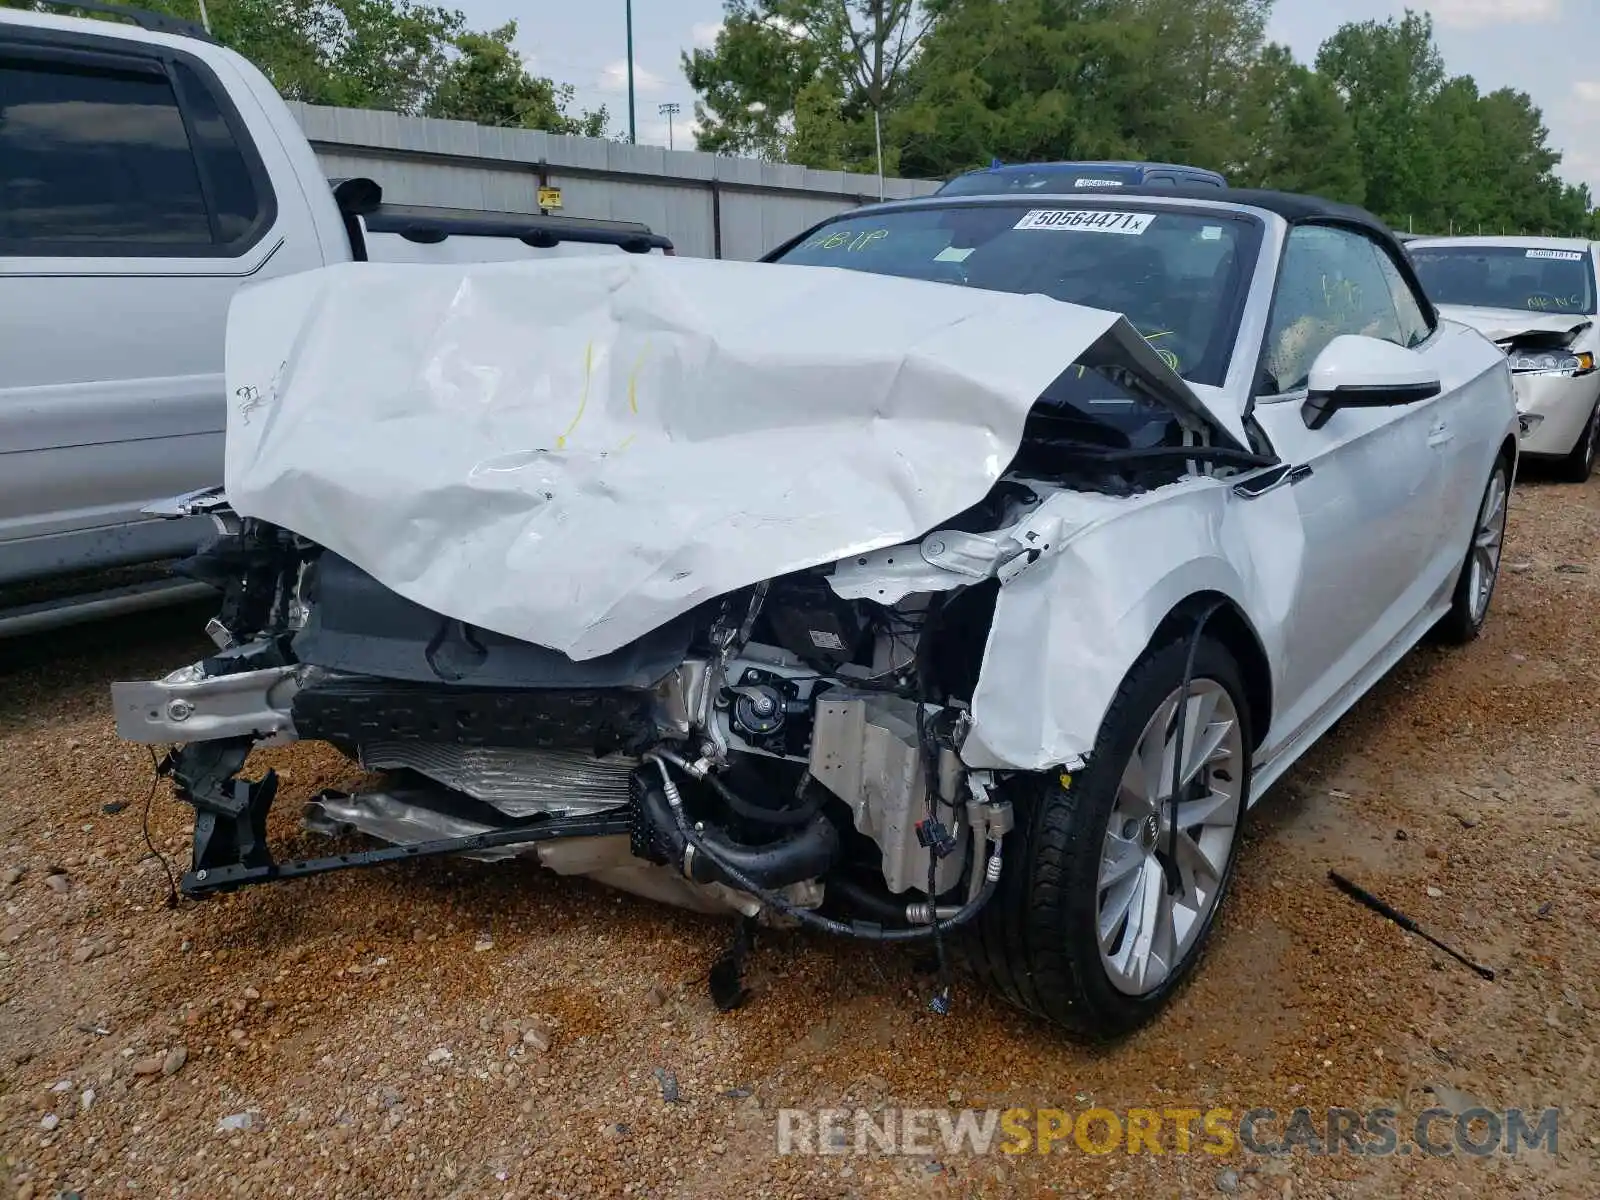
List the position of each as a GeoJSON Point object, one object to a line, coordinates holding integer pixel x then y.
{"type": "Point", "coordinates": [1501, 324]}
{"type": "Point", "coordinates": [572, 453]}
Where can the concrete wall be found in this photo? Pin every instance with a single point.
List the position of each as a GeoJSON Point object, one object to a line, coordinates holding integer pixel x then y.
{"type": "Point", "coordinates": [710, 206]}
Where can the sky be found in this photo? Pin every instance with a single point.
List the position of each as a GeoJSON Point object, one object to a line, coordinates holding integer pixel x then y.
{"type": "Point", "coordinates": [1542, 47]}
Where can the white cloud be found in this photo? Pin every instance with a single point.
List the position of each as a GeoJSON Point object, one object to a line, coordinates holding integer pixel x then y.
{"type": "Point", "coordinates": [1476, 14]}
{"type": "Point", "coordinates": [526, 43]}
{"type": "Point", "coordinates": [614, 78]}
{"type": "Point", "coordinates": [704, 34]}
{"type": "Point", "coordinates": [1575, 127]}
{"type": "Point", "coordinates": [1582, 167]}
{"type": "Point", "coordinates": [795, 29]}
{"type": "Point", "coordinates": [654, 133]}
{"type": "Point", "coordinates": [1585, 163]}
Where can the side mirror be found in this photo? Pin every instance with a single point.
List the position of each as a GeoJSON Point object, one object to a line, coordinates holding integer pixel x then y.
{"type": "Point", "coordinates": [1365, 372]}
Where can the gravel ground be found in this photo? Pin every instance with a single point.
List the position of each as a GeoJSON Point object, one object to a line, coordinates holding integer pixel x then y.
{"type": "Point", "coordinates": [457, 1029]}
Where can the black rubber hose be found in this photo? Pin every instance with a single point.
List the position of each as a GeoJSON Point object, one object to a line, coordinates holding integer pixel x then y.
{"type": "Point", "coordinates": [856, 929]}
{"type": "Point", "coordinates": [882, 909]}
{"type": "Point", "coordinates": [804, 854]}
{"type": "Point", "coordinates": [766, 816]}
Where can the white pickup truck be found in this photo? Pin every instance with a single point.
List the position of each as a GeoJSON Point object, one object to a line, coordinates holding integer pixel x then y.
{"type": "Point", "coordinates": [146, 175]}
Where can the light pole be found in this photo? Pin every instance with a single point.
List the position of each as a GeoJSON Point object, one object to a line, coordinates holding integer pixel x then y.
{"type": "Point", "coordinates": [633, 137]}
{"type": "Point", "coordinates": [669, 110]}
{"type": "Point", "coordinates": [877, 136]}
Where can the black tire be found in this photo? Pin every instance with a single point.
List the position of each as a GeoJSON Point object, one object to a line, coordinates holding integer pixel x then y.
{"type": "Point", "coordinates": [1465, 621]}
{"type": "Point", "coordinates": [1035, 942]}
{"type": "Point", "coordinates": [1577, 466]}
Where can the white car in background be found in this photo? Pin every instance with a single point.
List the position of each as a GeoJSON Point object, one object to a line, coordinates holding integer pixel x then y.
{"type": "Point", "coordinates": [1536, 299]}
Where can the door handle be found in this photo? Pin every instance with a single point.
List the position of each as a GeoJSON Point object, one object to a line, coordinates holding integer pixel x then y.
{"type": "Point", "coordinates": [1271, 480]}
{"type": "Point", "coordinates": [1439, 435]}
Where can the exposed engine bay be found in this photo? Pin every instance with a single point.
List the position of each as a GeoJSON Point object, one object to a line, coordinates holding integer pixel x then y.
{"type": "Point", "coordinates": [791, 750]}
{"type": "Point", "coordinates": [785, 748]}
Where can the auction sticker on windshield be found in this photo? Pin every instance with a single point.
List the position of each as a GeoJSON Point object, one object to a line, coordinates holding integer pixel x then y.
{"type": "Point", "coordinates": [1089, 220]}
{"type": "Point", "coordinates": [1558, 255]}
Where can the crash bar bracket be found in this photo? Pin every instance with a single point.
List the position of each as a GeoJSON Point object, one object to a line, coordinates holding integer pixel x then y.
{"type": "Point", "coordinates": [230, 828]}
{"type": "Point", "coordinates": [211, 880]}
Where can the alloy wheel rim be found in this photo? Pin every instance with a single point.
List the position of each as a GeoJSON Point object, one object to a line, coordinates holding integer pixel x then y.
{"type": "Point", "coordinates": [1487, 540]}
{"type": "Point", "coordinates": [1145, 932]}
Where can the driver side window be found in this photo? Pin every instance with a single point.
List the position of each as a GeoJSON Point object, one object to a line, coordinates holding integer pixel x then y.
{"type": "Point", "coordinates": [1331, 283]}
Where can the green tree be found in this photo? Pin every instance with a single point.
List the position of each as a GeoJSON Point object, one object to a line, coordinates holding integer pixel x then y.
{"type": "Point", "coordinates": [1300, 138]}
{"type": "Point", "coordinates": [1521, 187]}
{"type": "Point", "coordinates": [1388, 75]}
{"type": "Point", "coordinates": [1463, 196]}
{"type": "Point", "coordinates": [849, 57]}
{"type": "Point", "coordinates": [387, 54]}
{"type": "Point", "coordinates": [1182, 99]}
{"type": "Point", "coordinates": [396, 55]}
{"type": "Point", "coordinates": [488, 82]}
{"type": "Point", "coordinates": [748, 83]}
{"type": "Point", "coordinates": [1439, 156]}
{"type": "Point", "coordinates": [1034, 79]}
{"type": "Point", "coordinates": [1022, 79]}
{"type": "Point", "coordinates": [822, 137]}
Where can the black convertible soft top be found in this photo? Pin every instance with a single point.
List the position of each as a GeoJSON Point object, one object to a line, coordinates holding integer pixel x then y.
{"type": "Point", "coordinates": [1292, 207]}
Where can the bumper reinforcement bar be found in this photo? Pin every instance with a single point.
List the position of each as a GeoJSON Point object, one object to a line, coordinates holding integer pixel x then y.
{"type": "Point", "coordinates": [230, 827]}
{"type": "Point", "coordinates": [236, 875]}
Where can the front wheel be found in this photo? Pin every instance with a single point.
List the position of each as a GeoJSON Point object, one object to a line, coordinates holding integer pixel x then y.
{"type": "Point", "coordinates": [1469, 606]}
{"type": "Point", "coordinates": [1579, 465]}
{"type": "Point", "coordinates": [1102, 910]}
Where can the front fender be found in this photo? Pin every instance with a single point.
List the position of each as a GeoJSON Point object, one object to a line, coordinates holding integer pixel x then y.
{"type": "Point", "coordinates": [1069, 627]}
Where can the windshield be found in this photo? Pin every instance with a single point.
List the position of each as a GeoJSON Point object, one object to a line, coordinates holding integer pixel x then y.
{"type": "Point", "coordinates": [1178, 274]}
{"type": "Point", "coordinates": [1541, 280]}
{"type": "Point", "coordinates": [1043, 181]}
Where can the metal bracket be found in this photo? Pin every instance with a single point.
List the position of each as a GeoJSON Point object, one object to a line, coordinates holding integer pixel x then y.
{"type": "Point", "coordinates": [193, 707]}
{"type": "Point", "coordinates": [990, 819]}
{"type": "Point", "coordinates": [1271, 480]}
{"type": "Point", "coordinates": [230, 814]}
{"type": "Point", "coordinates": [208, 880]}
{"type": "Point", "coordinates": [230, 825]}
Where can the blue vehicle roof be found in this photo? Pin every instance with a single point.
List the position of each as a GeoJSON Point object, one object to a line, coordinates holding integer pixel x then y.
{"type": "Point", "coordinates": [1096, 163]}
{"type": "Point", "coordinates": [1138, 170]}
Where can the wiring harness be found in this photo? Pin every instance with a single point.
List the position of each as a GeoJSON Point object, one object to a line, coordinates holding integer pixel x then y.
{"type": "Point", "coordinates": [864, 930]}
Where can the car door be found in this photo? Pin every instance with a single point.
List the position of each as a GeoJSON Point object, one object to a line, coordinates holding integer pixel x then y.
{"type": "Point", "coordinates": [134, 202]}
{"type": "Point", "coordinates": [1465, 427]}
{"type": "Point", "coordinates": [1367, 485]}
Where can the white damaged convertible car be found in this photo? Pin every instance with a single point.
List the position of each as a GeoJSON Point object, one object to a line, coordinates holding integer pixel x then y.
{"type": "Point", "coordinates": [967, 570]}
{"type": "Point", "coordinates": [1535, 298]}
